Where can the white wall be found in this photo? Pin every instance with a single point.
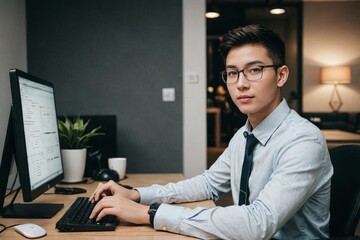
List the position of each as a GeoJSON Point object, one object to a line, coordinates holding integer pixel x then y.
{"type": "Point", "coordinates": [12, 52]}
{"type": "Point", "coordinates": [194, 94]}
{"type": "Point", "coordinates": [12, 55]}
{"type": "Point", "coordinates": [331, 37]}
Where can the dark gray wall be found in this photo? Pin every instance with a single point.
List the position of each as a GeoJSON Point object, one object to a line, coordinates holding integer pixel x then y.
{"type": "Point", "coordinates": [114, 57]}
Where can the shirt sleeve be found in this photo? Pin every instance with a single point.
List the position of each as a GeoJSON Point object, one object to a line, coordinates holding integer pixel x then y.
{"type": "Point", "coordinates": [300, 168]}
{"type": "Point", "coordinates": [211, 184]}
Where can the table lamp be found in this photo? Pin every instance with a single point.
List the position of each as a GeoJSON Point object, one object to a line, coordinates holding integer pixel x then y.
{"type": "Point", "coordinates": [335, 75]}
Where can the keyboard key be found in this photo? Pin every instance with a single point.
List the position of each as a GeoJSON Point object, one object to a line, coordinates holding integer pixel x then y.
{"type": "Point", "coordinates": [76, 218]}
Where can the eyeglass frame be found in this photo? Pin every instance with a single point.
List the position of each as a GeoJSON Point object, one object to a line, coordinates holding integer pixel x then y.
{"type": "Point", "coordinates": [275, 66]}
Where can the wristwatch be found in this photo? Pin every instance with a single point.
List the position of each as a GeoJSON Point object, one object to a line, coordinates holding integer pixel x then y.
{"type": "Point", "coordinates": [152, 211]}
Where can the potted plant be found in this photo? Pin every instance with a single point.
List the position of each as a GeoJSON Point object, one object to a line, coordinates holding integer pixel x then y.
{"type": "Point", "coordinates": [74, 138]}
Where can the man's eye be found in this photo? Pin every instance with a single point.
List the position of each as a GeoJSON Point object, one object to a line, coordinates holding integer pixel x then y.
{"type": "Point", "coordinates": [232, 73]}
{"type": "Point", "coordinates": [254, 70]}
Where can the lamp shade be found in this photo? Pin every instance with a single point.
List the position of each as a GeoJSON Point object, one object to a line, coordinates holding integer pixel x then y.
{"type": "Point", "coordinates": [335, 75]}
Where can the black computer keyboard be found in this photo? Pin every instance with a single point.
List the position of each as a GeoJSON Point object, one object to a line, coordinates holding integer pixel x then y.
{"type": "Point", "coordinates": [77, 219]}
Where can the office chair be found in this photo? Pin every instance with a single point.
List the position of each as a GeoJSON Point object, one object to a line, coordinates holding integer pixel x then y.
{"type": "Point", "coordinates": [345, 190]}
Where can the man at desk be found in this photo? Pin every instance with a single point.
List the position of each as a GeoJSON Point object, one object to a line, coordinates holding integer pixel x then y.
{"type": "Point", "coordinates": [280, 187]}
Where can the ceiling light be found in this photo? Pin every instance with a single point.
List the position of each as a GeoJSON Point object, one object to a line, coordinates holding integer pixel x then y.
{"type": "Point", "coordinates": [277, 10]}
{"type": "Point", "coordinates": [212, 12]}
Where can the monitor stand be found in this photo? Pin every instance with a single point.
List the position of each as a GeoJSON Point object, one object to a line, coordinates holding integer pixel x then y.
{"type": "Point", "coordinates": [33, 210]}
{"type": "Point", "coordinates": [17, 210]}
{"type": "Point", "coordinates": [30, 210]}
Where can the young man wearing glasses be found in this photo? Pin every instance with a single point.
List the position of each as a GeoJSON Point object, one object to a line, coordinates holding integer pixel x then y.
{"type": "Point", "coordinates": [277, 165]}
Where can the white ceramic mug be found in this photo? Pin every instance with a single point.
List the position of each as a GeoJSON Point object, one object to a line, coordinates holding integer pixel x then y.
{"type": "Point", "coordinates": [119, 165]}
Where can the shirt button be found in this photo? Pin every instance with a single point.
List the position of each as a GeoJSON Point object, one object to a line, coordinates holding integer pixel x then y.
{"type": "Point", "coordinates": [164, 228]}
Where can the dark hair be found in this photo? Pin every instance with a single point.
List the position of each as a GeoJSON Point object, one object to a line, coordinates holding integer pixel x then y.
{"type": "Point", "coordinates": [254, 34]}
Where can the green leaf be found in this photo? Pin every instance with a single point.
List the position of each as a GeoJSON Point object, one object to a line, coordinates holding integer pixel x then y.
{"type": "Point", "coordinates": [74, 134]}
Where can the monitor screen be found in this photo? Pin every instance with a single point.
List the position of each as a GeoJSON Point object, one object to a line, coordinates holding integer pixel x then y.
{"type": "Point", "coordinates": [40, 153]}
{"type": "Point", "coordinates": [35, 134]}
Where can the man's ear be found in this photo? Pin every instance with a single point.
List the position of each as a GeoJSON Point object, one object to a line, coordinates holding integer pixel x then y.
{"type": "Point", "coordinates": [282, 75]}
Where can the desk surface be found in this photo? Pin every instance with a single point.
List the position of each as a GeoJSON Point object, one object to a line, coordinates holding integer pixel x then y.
{"type": "Point", "coordinates": [123, 231]}
{"type": "Point", "coordinates": [338, 137]}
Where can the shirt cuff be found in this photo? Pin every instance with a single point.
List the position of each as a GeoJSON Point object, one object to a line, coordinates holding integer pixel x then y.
{"type": "Point", "coordinates": [146, 195]}
{"type": "Point", "coordinates": [168, 218]}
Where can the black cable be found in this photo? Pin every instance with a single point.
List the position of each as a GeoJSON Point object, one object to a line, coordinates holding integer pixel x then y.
{"type": "Point", "coordinates": [16, 176]}
{"type": "Point", "coordinates": [13, 184]}
{"type": "Point", "coordinates": [6, 227]}
{"type": "Point", "coordinates": [14, 198]}
{"type": "Point", "coordinates": [11, 192]}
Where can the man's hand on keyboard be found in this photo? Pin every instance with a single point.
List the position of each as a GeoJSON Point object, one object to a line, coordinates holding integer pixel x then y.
{"type": "Point", "coordinates": [121, 207]}
{"type": "Point", "coordinates": [113, 189]}
{"type": "Point", "coordinates": [119, 201]}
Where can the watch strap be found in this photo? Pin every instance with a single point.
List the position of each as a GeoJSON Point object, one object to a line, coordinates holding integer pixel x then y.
{"type": "Point", "coordinates": [152, 211]}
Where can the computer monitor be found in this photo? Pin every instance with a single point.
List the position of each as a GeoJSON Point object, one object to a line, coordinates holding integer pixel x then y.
{"type": "Point", "coordinates": [32, 135]}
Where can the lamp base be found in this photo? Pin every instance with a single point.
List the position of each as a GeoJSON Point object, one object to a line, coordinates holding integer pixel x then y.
{"type": "Point", "coordinates": [335, 100]}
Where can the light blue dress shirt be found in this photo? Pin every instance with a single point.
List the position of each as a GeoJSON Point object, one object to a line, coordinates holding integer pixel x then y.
{"type": "Point", "coordinates": [289, 186]}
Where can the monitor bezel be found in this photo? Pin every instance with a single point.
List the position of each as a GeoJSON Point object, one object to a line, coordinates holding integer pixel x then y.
{"type": "Point", "coordinates": [21, 157]}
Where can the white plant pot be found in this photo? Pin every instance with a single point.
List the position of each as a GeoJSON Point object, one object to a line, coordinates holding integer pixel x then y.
{"type": "Point", "coordinates": [74, 161]}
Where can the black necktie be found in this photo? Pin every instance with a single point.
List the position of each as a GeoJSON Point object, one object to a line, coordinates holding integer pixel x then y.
{"type": "Point", "coordinates": [251, 142]}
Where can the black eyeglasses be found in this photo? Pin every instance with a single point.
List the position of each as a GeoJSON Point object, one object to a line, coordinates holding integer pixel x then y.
{"type": "Point", "coordinates": [251, 73]}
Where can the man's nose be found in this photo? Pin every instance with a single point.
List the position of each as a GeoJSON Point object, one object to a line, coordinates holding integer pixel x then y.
{"type": "Point", "coordinates": [242, 81]}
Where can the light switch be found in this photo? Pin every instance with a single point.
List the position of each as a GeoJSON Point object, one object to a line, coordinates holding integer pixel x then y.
{"type": "Point", "coordinates": [168, 94]}
{"type": "Point", "coordinates": [192, 77]}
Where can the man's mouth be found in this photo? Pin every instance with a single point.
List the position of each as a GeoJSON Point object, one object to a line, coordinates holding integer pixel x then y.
{"type": "Point", "coordinates": [245, 98]}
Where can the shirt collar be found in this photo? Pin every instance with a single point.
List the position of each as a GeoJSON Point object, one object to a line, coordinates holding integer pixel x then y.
{"type": "Point", "coordinates": [268, 126]}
